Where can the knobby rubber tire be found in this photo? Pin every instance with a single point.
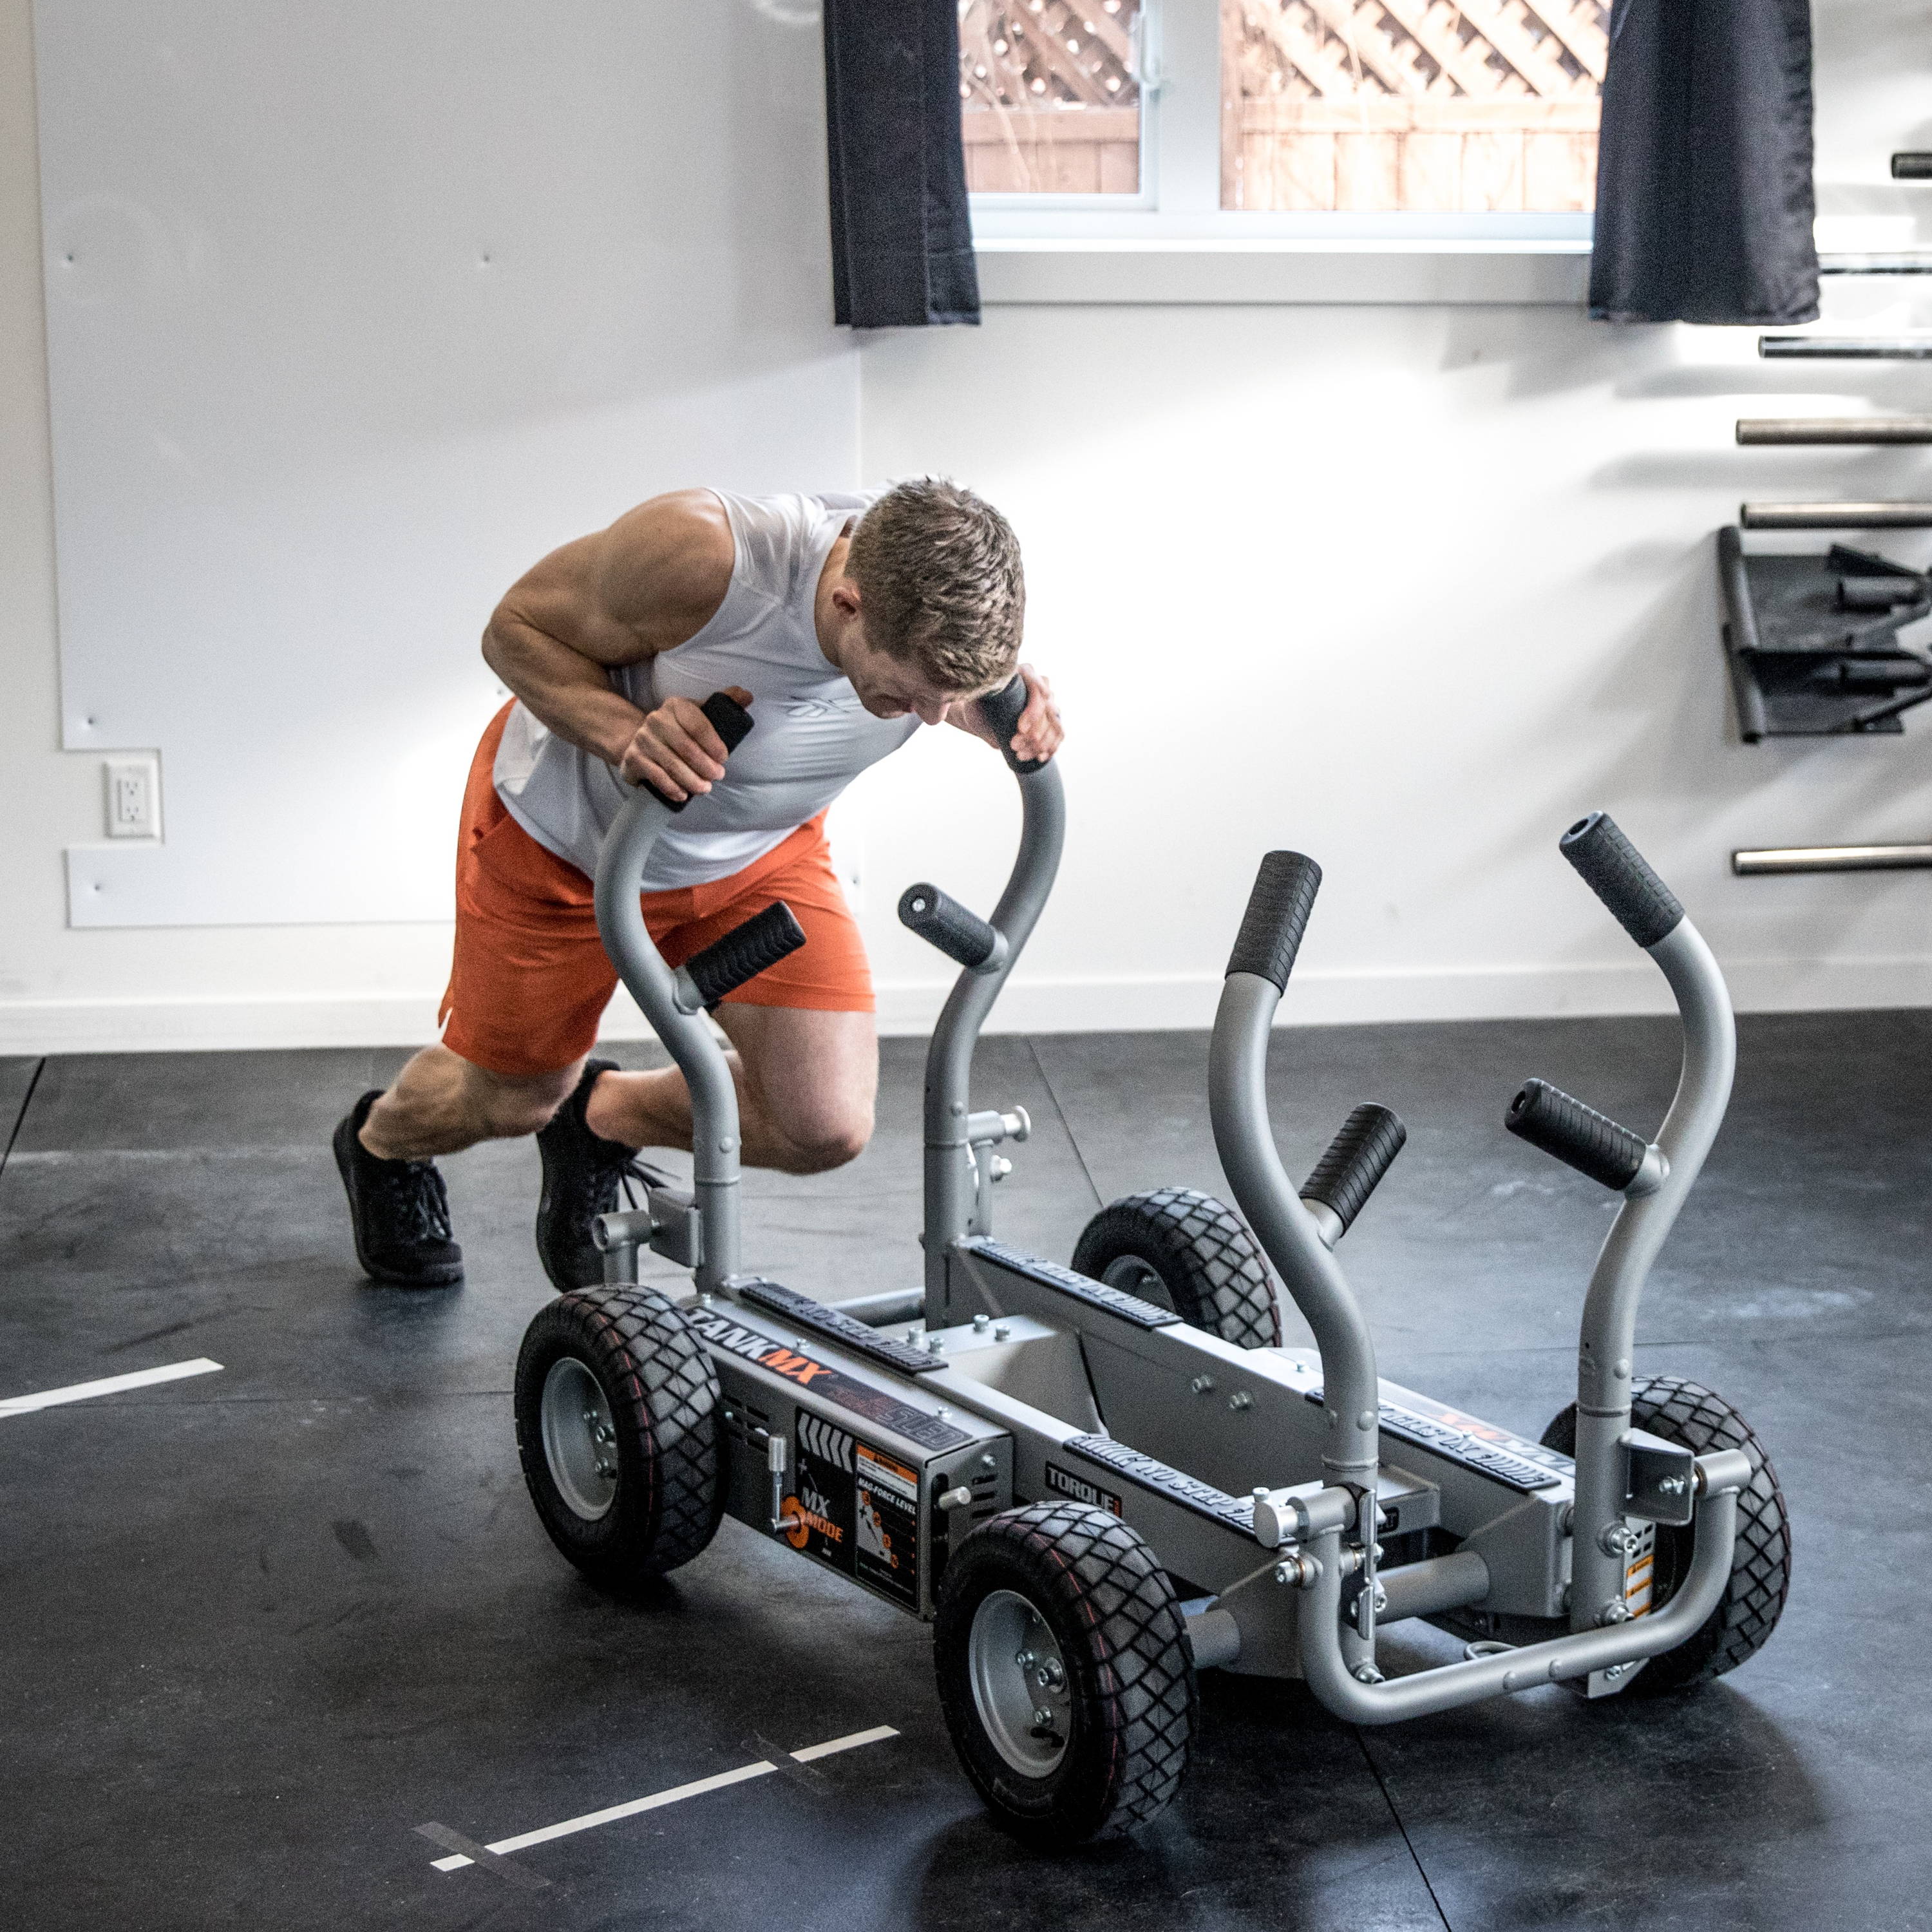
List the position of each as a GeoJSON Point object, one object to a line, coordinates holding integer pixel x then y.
{"type": "Point", "coordinates": [1124, 1643]}
{"type": "Point", "coordinates": [1213, 1272]}
{"type": "Point", "coordinates": [663, 1394]}
{"type": "Point", "coordinates": [1692, 1416]}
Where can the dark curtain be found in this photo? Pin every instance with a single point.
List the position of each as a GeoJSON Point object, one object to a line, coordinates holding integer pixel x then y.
{"type": "Point", "coordinates": [901, 243]}
{"type": "Point", "coordinates": [1704, 199]}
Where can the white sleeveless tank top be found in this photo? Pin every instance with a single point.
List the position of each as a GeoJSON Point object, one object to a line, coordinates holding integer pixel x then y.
{"type": "Point", "coordinates": [811, 738]}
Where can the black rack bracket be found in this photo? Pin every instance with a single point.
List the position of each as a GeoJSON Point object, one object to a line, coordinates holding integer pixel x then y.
{"type": "Point", "coordinates": [1812, 642]}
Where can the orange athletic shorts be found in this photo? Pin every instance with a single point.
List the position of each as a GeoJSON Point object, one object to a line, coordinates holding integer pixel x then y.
{"type": "Point", "coordinates": [530, 978]}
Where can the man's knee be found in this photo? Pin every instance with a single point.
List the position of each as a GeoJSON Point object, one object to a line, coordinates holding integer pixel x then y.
{"type": "Point", "coordinates": [826, 1138]}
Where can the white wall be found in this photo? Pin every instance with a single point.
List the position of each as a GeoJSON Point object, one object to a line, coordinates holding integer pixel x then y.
{"type": "Point", "coordinates": [1407, 587]}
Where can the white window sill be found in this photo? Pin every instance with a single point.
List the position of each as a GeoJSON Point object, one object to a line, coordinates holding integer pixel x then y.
{"type": "Point", "coordinates": [1517, 271]}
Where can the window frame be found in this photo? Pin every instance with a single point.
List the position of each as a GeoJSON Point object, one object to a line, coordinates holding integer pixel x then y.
{"type": "Point", "coordinates": [1180, 199]}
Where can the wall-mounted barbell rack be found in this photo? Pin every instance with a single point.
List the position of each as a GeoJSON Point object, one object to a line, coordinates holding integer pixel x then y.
{"type": "Point", "coordinates": [1813, 642]}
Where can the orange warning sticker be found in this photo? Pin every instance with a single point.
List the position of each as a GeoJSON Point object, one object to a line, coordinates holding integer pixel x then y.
{"type": "Point", "coordinates": [886, 1553]}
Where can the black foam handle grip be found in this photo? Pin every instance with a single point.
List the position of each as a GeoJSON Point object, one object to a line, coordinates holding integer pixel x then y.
{"type": "Point", "coordinates": [1590, 1142]}
{"type": "Point", "coordinates": [733, 723]}
{"type": "Point", "coordinates": [1276, 917]}
{"type": "Point", "coordinates": [944, 923]}
{"type": "Point", "coordinates": [744, 952]}
{"type": "Point", "coordinates": [1001, 710]}
{"type": "Point", "coordinates": [1616, 872]}
{"type": "Point", "coordinates": [1357, 1158]}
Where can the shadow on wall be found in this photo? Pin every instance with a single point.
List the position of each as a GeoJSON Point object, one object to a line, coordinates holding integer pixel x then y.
{"type": "Point", "coordinates": [1553, 352]}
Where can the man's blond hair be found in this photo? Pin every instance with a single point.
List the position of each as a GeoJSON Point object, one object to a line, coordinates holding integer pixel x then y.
{"type": "Point", "coordinates": [940, 582]}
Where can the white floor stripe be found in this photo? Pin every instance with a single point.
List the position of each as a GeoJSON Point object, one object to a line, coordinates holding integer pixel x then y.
{"type": "Point", "coordinates": [876, 1736]}
{"type": "Point", "coordinates": [764, 1768]}
{"type": "Point", "coordinates": [21, 1405]}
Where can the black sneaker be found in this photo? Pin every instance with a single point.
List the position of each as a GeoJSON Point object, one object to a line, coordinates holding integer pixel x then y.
{"type": "Point", "coordinates": [399, 1210]}
{"type": "Point", "coordinates": [583, 1173]}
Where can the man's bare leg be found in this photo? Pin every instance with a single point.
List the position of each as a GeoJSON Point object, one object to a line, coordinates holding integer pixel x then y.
{"type": "Point", "coordinates": [440, 1103]}
{"type": "Point", "coordinates": [807, 1082]}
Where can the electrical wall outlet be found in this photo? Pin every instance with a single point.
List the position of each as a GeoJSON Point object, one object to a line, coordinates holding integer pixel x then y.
{"type": "Point", "coordinates": [133, 797]}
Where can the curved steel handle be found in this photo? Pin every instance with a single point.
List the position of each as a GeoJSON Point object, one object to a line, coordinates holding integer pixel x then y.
{"type": "Point", "coordinates": [714, 1097]}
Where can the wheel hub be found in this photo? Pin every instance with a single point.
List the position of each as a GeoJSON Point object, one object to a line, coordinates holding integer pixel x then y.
{"type": "Point", "coordinates": [1019, 1684]}
{"type": "Point", "coordinates": [579, 1439]}
{"type": "Point", "coordinates": [1132, 1276]}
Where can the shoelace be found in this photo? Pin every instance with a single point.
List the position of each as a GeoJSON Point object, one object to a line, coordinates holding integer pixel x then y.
{"type": "Point", "coordinates": [629, 1180]}
{"type": "Point", "coordinates": [418, 1199]}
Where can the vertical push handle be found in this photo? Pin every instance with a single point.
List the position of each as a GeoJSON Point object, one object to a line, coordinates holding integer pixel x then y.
{"type": "Point", "coordinates": [1618, 873]}
{"type": "Point", "coordinates": [730, 721]}
{"type": "Point", "coordinates": [1277, 916]}
{"type": "Point", "coordinates": [1001, 710]}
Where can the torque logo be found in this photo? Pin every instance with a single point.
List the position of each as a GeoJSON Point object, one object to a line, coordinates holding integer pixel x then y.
{"type": "Point", "coordinates": [1081, 1491]}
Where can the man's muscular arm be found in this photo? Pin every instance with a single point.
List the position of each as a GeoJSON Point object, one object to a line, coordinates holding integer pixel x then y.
{"type": "Point", "coordinates": [650, 582]}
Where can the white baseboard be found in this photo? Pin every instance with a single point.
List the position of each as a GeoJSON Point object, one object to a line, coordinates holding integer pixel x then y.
{"type": "Point", "coordinates": [1029, 1006]}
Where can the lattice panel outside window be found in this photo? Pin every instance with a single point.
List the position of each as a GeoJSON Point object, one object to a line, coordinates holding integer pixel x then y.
{"type": "Point", "coordinates": [1415, 105]}
{"type": "Point", "coordinates": [1048, 98]}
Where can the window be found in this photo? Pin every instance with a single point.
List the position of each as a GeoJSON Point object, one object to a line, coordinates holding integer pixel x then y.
{"type": "Point", "coordinates": [1248, 119]}
{"type": "Point", "coordinates": [1422, 106]}
{"type": "Point", "coordinates": [1049, 99]}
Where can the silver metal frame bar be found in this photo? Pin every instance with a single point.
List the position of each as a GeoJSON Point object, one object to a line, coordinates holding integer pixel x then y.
{"type": "Point", "coordinates": [950, 1190]}
{"type": "Point", "coordinates": [1237, 1105]}
{"type": "Point", "coordinates": [1448, 1685]}
{"type": "Point", "coordinates": [687, 1037]}
{"type": "Point", "coordinates": [1606, 1343]}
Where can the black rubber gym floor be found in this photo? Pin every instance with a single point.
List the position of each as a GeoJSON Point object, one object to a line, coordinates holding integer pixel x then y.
{"type": "Point", "coordinates": [260, 1625]}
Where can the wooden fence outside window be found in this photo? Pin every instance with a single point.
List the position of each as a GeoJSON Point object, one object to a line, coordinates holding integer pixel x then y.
{"type": "Point", "coordinates": [1440, 105]}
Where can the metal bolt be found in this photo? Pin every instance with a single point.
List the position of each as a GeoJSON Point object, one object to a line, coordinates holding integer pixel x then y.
{"type": "Point", "coordinates": [1282, 1574]}
{"type": "Point", "coordinates": [981, 1323]}
{"type": "Point", "coordinates": [1619, 1539]}
{"type": "Point", "coordinates": [1615, 1671]}
{"type": "Point", "coordinates": [1381, 1599]}
{"type": "Point", "coordinates": [1000, 1333]}
{"type": "Point", "coordinates": [1616, 1612]}
{"type": "Point", "coordinates": [1049, 1674]}
{"type": "Point", "coordinates": [1202, 1385]}
{"type": "Point", "coordinates": [1042, 1716]}
{"type": "Point", "coordinates": [607, 1468]}
{"type": "Point", "coordinates": [1240, 1399]}
{"type": "Point", "coordinates": [935, 1344]}
{"type": "Point", "coordinates": [1261, 1492]}
{"type": "Point", "coordinates": [989, 1461]}
{"type": "Point", "coordinates": [1023, 1658]}
{"type": "Point", "coordinates": [912, 1335]}
{"type": "Point", "coordinates": [1366, 1673]}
